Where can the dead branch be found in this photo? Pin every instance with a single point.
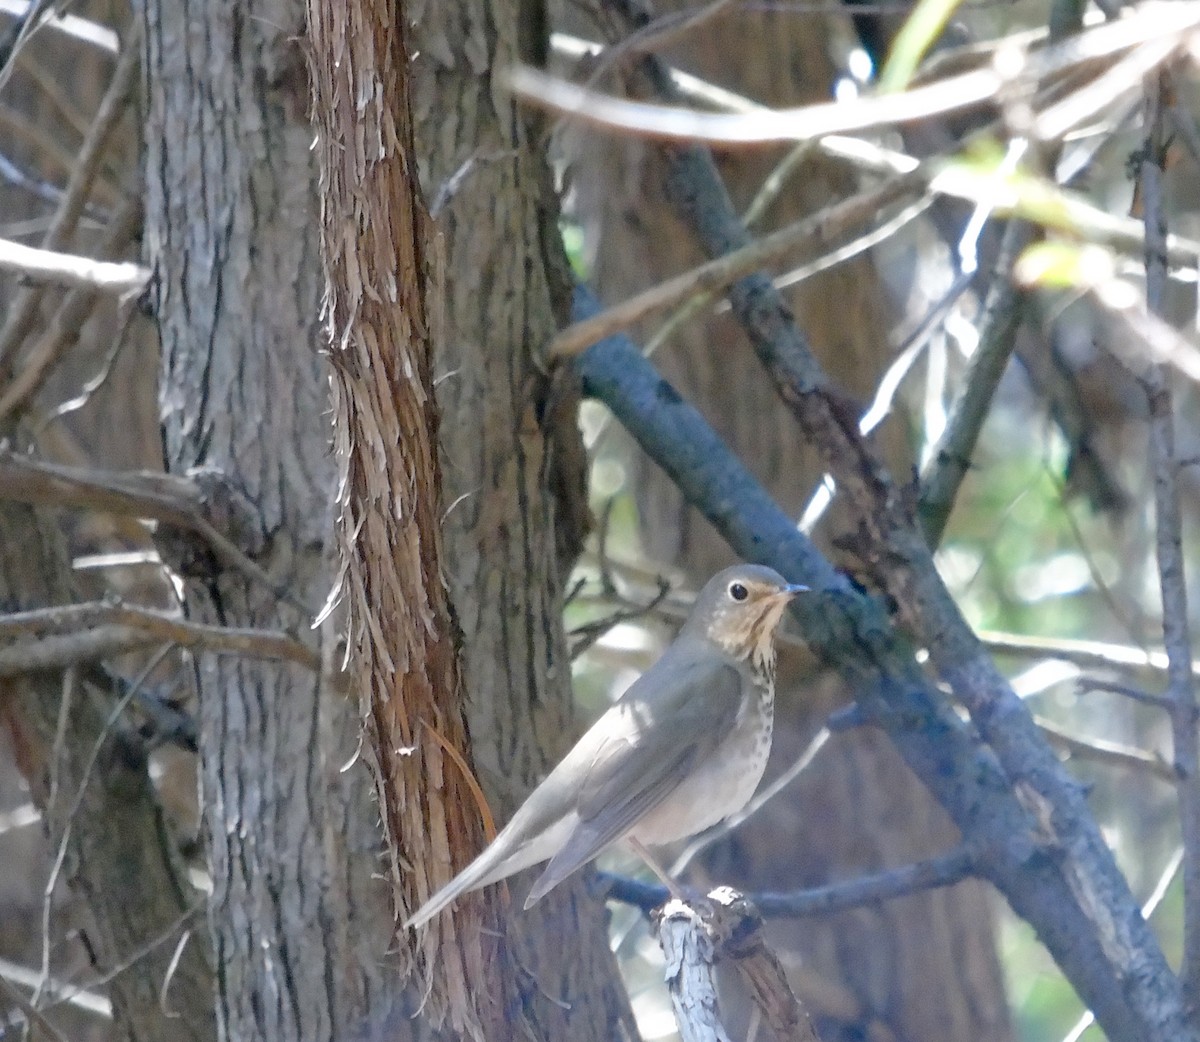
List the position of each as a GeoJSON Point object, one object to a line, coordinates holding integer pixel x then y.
{"type": "Point", "coordinates": [69, 269]}
{"type": "Point", "coordinates": [179, 502]}
{"type": "Point", "coordinates": [738, 926]}
{"type": "Point", "coordinates": [724, 925]}
{"type": "Point", "coordinates": [822, 229]}
{"type": "Point", "coordinates": [1168, 536]}
{"type": "Point", "coordinates": [24, 309]}
{"type": "Point", "coordinates": [72, 312]}
{"type": "Point", "coordinates": [690, 951]}
{"type": "Point", "coordinates": [76, 633]}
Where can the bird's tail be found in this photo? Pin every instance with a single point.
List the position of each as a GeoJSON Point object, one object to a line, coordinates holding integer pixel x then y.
{"type": "Point", "coordinates": [487, 868]}
{"type": "Point", "coordinates": [506, 855]}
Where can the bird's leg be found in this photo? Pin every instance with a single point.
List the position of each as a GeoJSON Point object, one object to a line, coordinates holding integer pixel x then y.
{"type": "Point", "coordinates": [639, 848]}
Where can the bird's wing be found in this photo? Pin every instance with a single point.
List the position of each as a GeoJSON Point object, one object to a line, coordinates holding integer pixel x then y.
{"type": "Point", "coordinates": [686, 710]}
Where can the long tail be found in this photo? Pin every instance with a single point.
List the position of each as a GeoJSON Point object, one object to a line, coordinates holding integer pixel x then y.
{"type": "Point", "coordinates": [506, 855]}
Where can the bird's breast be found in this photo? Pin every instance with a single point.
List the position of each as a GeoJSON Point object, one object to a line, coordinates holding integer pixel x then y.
{"type": "Point", "coordinates": [723, 784]}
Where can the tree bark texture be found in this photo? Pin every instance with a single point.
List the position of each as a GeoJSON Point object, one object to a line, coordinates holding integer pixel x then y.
{"type": "Point", "coordinates": [299, 927]}
{"type": "Point", "coordinates": [463, 302]}
{"type": "Point", "coordinates": [86, 765]}
{"type": "Point", "coordinates": [88, 773]}
{"type": "Point", "coordinates": [858, 807]}
{"type": "Point", "coordinates": [402, 635]}
{"type": "Point", "coordinates": [514, 493]}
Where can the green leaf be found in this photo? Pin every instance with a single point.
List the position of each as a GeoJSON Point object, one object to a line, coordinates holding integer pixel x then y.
{"type": "Point", "coordinates": [914, 39]}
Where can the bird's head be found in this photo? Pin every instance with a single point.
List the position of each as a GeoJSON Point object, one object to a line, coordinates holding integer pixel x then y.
{"type": "Point", "coordinates": [739, 609]}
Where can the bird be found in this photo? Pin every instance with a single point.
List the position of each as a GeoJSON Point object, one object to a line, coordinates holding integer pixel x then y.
{"type": "Point", "coordinates": [681, 750]}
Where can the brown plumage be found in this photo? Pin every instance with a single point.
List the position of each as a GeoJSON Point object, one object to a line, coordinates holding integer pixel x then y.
{"type": "Point", "coordinates": [680, 751]}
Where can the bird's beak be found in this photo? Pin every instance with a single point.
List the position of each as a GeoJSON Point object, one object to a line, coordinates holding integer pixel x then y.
{"type": "Point", "coordinates": [792, 589]}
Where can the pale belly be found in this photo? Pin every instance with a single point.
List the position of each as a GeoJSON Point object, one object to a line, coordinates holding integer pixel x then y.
{"type": "Point", "coordinates": [718, 788]}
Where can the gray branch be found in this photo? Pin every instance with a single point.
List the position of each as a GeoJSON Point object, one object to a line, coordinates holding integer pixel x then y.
{"type": "Point", "coordinates": [853, 632]}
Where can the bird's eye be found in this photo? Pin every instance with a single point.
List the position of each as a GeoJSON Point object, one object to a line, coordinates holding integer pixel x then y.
{"type": "Point", "coordinates": [738, 592]}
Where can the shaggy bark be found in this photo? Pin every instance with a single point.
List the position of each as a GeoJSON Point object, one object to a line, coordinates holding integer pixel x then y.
{"type": "Point", "coordinates": [463, 303]}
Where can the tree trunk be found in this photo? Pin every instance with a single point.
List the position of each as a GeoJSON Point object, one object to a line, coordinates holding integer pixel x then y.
{"type": "Point", "coordinates": [85, 762]}
{"type": "Point", "coordinates": [476, 294]}
{"type": "Point", "coordinates": [512, 460]}
{"type": "Point", "coordinates": [857, 808]}
{"type": "Point", "coordinates": [299, 927]}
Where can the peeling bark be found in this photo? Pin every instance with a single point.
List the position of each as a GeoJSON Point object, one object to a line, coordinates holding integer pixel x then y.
{"type": "Point", "coordinates": [465, 304]}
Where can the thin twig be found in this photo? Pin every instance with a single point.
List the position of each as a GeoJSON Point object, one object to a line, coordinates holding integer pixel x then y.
{"type": "Point", "coordinates": [820, 229]}
{"type": "Point", "coordinates": [64, 329]}
{"type": "Point", "coordinates": [24, 309]}
{"type": "Point", "coordinates": [951, 459]}
{"type": "Point", "coordinates": [1086, 653]}
{"type": "Point", "coordinates": [165, 497]}
{"type": "Point", "coordinates": [954, 93]}
{"type": "Point", "coordinates": [69, 269]}
{"type": "Point", "coordinates": [1111, 753]}
{"type": "Point", "coordinates": [1003, 312]}
{"type": "Point", "coordinates": [589, 633]}
{"type": "Point", "coordinates": [83, 630]}
{"type": "Point", "coordinates": [50, 86]}
{"type": "Point", "coordinates": [1089, 684]}
{"type": "Point", "coordinates": [943, 870]}
{"type": "Point", "coordinates": [32, 1014]}
{"type": "Point", "coordinates": [57, 756]}
{"type": "Point", "coordinates": [59, 991]}
{"type": "Point", "coordinates": [56, 158]}
{"type": "Point", "coordinates": [1168, 540]}
{"type": "Point", "coordinates": [72, 25]}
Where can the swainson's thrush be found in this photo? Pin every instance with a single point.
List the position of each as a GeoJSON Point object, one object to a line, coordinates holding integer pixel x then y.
{"type": "Point", "coordinates": [681, 750]}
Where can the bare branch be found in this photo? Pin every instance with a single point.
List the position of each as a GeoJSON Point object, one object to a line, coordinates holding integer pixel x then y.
{"type": "Point", "coordinates": [944, 870]}
{"type": "Point", "coordinates": [54, 152]}
{"type": "Point", "coordinates": [24, 309]}
{"type": "Point", "coordinates": [60, 652]}
{"type": "Point", "coordinates": [69, 269]}
{"type": "Point", "coordinates": [724, 925]}
{"type": "Point", "coordinates": [64, 328]}
{"type": "Point", "coordinates": [177, 501]}
{"type": "Point", "coordinates": [1088, 684]}
{"type": "Point", "coordinates": [823, 229]}
{"type": "Point", "coordinates": [1154, 21]}
{"type": "Point", "coordinates": [32, 1014]}
{"type": "Point", "coordinates": [1112, 753]}
{"type": "Point", "coordinates": [1168, 541]}
{"type": "Point", "coordinates": [1088, 882]}
{"type": "Point", "coordinates": [951, 459]}
{"type": "Point", "coordinates": [72, 25]}
{"type": "Point", "coordinates": [98, 629]}
{"type": "Point", "coordinates": [738, 925]}
{"type": "Point", "coordinates": [1086, 653]}
{"type": "Point", "coordinates": [57, 990]}
{"type": "Point", "coordinates": [690, 952]}
{"type": "Point", "coordinates": [856, 636]}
